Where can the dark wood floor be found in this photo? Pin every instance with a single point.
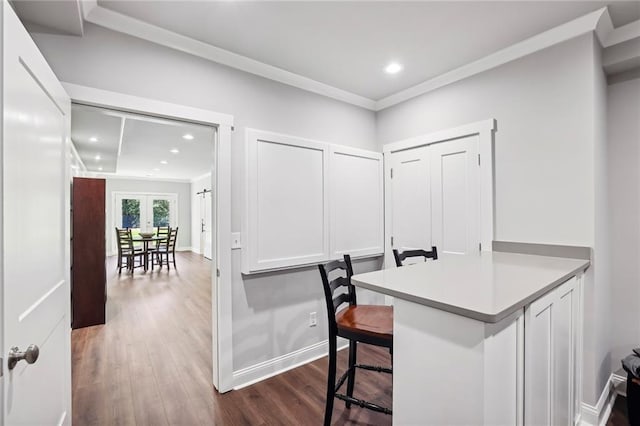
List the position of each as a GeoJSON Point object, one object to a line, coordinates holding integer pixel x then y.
{"type": "Point", "coordinates": [151, 363]}
{"type": "Point", "coordinates": [619, 415]}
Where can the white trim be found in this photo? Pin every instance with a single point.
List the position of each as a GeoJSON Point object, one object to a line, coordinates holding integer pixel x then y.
{"type": "Point", "coordinates": [109, 176]}
{"type": "Point", "coordinates": [278, 365]}
{"type": "Point", "coordinates": [485, 130]}
{"type": "Point", "coordinates": [125, 24]}
{"type": "Point", "coordinates": [599, 414]}
{"type": "Point", "coordinates": [222, 348]}
{"type": "Point", "coordinates": [193, 180]}
{"type": "Point", "coordinates": [531, 45]}
{"type": "Point", "coordinates": [622, 34]}
{"type": "Point", "coordinates": [129, 103]}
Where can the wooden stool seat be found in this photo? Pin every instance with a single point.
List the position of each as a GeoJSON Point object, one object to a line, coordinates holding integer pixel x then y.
{"type": "Point", "coordinates": [373, 321]}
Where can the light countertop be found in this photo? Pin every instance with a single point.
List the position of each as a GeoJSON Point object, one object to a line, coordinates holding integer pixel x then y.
{"type": "Point", "coordinates": [487, 287]}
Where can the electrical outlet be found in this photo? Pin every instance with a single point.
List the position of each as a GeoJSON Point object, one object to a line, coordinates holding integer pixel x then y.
{"type": "Point", "coordinates": [313, 320]}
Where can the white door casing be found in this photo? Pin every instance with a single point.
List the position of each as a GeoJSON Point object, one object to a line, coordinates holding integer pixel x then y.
{"type": "Point", "coordinates": [36, 234]}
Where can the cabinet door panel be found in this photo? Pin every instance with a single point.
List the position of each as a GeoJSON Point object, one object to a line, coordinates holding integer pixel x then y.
{"type": "Point", "coordinates": [411, 199]}
{"type": "Point", "coordinates": [564, 353]}
{"type": "Point", "coordinates": [455, 196]}
{"type": "Point", "coordinates": [538, 365]}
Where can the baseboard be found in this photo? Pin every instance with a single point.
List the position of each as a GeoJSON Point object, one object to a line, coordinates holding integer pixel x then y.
{"type": "Point", "coordinates": [184, 249]}
{"type": "Point", "coordinates": [264, 370]}
{"type": "Point", "coordinates": [599, 414]}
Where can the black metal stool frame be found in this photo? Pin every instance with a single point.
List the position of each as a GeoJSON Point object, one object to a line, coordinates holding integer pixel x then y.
{"type": "Point", "coordinates": [333, 303]}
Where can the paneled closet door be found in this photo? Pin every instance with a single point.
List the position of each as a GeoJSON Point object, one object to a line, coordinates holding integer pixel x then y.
{"type": "Point", "coordinates": [411, 199]}
{"type": "Point", "coordinates": [455, 195]}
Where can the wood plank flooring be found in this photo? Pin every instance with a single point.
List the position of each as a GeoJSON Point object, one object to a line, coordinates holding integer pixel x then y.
{"type": "Point", "coordinates": [151, 363]}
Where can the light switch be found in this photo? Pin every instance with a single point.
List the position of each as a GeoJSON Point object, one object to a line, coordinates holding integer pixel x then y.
{"type": "Point", "coordinates": [235, 241]}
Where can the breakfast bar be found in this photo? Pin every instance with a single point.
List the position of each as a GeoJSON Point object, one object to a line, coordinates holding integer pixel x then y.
{"type": "Point", "coordinates": [461, 352]}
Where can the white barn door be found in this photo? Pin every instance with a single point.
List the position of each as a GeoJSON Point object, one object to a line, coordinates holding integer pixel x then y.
{"type": "Point", "coordinates": [410, 199]}
{"type": "Point", "coordinates": [455, 196]}
{"type": "Point", "coordinates": [35, 231]}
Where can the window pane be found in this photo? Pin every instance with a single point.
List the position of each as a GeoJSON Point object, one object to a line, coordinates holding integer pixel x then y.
{"type": "Point", "coordinates": [160, 213]}
{"type": "Point", "coordinates": [131, 213]}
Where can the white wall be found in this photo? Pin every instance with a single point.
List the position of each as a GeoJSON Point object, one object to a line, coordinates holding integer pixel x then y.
{"type": "Point", "coordinates": [197, 186]}
{"type": "Point", "coordinates": [623, 131]}
{"type": "Point", "coordinates": [183, 190]}
{"type": "Point", "coordinates": [549, 112]}
{"type": "Point", "coordinates": [270, 311]}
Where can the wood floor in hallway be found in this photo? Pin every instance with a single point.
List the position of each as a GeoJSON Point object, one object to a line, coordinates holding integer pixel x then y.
{"type": "Point", "coordinates": [151, 363]}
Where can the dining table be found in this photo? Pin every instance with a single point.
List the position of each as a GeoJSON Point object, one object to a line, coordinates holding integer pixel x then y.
{"type": "Point", "coordinates": [145, 246]}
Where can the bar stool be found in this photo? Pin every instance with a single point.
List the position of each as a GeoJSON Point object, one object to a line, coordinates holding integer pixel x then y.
{"type": "Point", "coordinates": [370, 324]}
{"type": "Point", "coordinates": [400, 257]}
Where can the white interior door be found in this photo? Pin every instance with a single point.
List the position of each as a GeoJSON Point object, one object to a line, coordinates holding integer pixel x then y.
{"type": "Point", "coordinates": [206, 216]}
{"type": "Point", "coordinates": [455, 196]}
{"type": "Point", "coordinates": [35, 231]}
{"type": "Point", "coordinates": [411, 199]}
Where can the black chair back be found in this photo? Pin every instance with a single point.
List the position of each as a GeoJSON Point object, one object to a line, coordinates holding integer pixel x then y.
{"type": "Point", "coordinates": [330, 286]}
{"type": "Point", "coordinates": [125, 240]}
{"type": "Point", "coordinates": [400, 257]}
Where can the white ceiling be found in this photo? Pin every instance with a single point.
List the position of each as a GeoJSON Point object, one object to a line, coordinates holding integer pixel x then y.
{"type": "Point", "coordinates": [64, 16]}
{"type": "Point", "coordinates": [145, 144]}
{"type": "Point", "coordinates": [347, 44]}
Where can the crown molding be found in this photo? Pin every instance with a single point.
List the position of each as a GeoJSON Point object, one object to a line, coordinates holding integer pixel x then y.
{"type": "Point", "coordinates": [124, 24]}
{"type": "Point", "coordinates": [598, 21]}
{"type": "Point", "coordinates": [622, 34]}
{"type": "Point", "coordinates": [564, 32]}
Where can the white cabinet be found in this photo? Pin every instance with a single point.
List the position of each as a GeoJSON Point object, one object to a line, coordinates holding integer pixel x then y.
{"type": "Point", "coordinates": [552, 362]}
{"type": "Point", "coordinates": [434, 196]}
{"type": "Point", "coordinates": [308, 201]}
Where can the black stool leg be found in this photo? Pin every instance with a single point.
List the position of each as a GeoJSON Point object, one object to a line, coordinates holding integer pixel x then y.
{"type": "Point", "coordinates": [351, 379]}
{"type": "Point", "coordinates": [331, 381]}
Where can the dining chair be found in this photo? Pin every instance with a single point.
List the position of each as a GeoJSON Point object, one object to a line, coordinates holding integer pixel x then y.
{"type": "Point", "coordinates": [161, 231]}
{"type": "Point", "coordinates": [166, 248]}
{"type": "Point", "coordinates": [127, 252]}
{"type": "Point", "coordinates": [400, 257]}
{"type": "Point", "coordinates": [369, 324]}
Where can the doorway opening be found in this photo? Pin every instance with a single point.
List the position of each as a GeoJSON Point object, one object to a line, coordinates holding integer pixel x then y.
{"type": "Point", "coordinates": [153, 168]}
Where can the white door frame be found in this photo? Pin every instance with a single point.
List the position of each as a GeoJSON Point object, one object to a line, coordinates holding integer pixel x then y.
{"type": "Point", "coordinates": [485, 130]}
{"type": "Point", "coordinates": [221, 289]}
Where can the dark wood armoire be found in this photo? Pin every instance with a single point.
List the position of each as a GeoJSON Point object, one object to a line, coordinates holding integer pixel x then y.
{"type": "Point", "coordinates": [88, 252]}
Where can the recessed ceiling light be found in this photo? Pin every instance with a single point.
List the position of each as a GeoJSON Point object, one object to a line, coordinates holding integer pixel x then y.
{"type": "Point", "coordinates": [164, 162]}
{"type": "Point", "coordinates": [93, 139]}
{"type": "Point", "coordinates": [97, 157]}
{"type": "Point", "coordinates": [393, 68]}
{"type": "Point", "coordinates": [156, 169]}
{"type": "Point", "coordinates": [149, 174]}
{"type": "Point", "coordinates": [174, 151]}
{"type": "Point", "coordinates": [188, 136]}
{"type": "Point", "coordinates": [100, 168]}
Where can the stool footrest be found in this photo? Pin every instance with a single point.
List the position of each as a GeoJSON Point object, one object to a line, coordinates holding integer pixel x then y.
{"type": "Point", "coordinates": [360, 402]}
{"type": "Point", "coordinates": [364, 404]}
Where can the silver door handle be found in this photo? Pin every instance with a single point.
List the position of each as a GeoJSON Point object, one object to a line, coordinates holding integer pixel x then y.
{"type": "Point", "coordinates": [30, 355]}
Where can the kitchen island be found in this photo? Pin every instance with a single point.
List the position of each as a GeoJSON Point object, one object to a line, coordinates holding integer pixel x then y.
{"type": "Point", "coordinates": [459, 338]}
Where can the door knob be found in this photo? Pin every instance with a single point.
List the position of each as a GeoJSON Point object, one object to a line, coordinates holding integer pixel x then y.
{"type": "Point", "coordinates": [30, 355]}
